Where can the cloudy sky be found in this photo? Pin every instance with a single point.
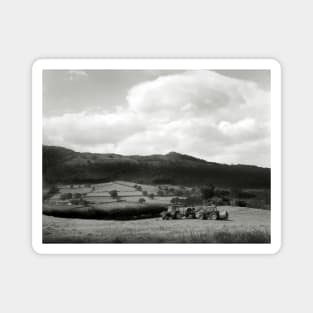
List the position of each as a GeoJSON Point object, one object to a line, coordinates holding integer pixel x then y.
{"type": "Point", "coordinates": [220, 116]}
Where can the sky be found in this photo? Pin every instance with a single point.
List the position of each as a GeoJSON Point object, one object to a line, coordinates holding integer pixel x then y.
{"type": "Point", "coordinates": [221, 116]}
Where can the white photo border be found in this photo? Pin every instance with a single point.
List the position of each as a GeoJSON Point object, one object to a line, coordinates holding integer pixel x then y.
{"type": "Point", "coordinates": [164, 64]}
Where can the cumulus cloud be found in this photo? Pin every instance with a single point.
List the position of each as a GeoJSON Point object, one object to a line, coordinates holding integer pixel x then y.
{"type": "Point", "coordinates": [201, 113]}
{"type": "Point", "coordinates": [193, 93]}
{"type": "Point", "coordinates": [87, 129]}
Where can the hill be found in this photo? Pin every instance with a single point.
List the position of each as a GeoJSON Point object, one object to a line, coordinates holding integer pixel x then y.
{"type": "Point", "coordinates": [61, 165]}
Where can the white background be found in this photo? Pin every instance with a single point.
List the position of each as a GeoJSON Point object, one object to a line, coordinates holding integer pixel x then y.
{"type": "Point", "coordinates": [34, 283]}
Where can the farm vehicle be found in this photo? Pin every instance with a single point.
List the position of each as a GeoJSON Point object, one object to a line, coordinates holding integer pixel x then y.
{"type": "Point", "coordinates": [211, 212]}
{"type": "Point", "coordinates": [174, 212]}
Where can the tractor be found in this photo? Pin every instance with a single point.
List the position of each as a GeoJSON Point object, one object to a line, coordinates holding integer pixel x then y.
{"type": "Point", "coordinates": [175, 212]}
{"type": "Point", "coordinates": [172, 213]}
{"type": "Point", "coordinates": [189, 212]}
{"type": "Point", "coordinates": [211, 212]}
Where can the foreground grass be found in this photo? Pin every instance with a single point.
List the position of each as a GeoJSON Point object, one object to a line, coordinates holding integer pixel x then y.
{"type": "Point", "coordinates": [254, 236]}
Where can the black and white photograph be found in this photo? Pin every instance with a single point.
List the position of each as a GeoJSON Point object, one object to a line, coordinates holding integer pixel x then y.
{"type": "Point", "coordinates": [158, 155]}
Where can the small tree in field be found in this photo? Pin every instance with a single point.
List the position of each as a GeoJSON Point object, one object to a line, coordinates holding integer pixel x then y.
{"type": "Point", "coordinates": [76, 195]}
{"type": "Point", "coordinates": [141, 200]}
{"type": "Point", "coordinates": [207, 192]}
{"type": "Point", "coordinates": [151, 196]}
{"type": "Point", "coordinates": [160, 193]}
{"type": "Point", "coordinates": [113, 194]}
{"type": "Point", "coordinates": [179, 193]}
{"type": "Point", "coordinates": [235, 191]}
{"type": "Point", "coordinates": [175, 200]}
{"type": "Point", "coordinates": [66, 196]}
{"type": "Point", "coordinates": [145, 193]}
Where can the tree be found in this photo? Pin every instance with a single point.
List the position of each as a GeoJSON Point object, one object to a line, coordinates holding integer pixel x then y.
{"type": "Point", "coordinates": [193, 200]}
{"type": "Point", "coordinates": [66, 196]}
{"type": "Point", "coordinates": [175, 200]}
{"type": "Point", "coordinates": [145, 193]}
{"type": "Point", "coordinates": [151, 195]}
{"type": "Point", "coordinates": [172, 191]}
{"type": "Point", "coordinates": [241, 203]}
{"type": "Point", "coordinates": [179, 193]}
{"type": "Point", "coordinates": [76, 195]}
{"type": "Point", "coordinates": [221, 192]}
{"type": "Point", "coordinates": [166, 189]}
{"type": "Point", "coordinates": [53, 190]}
{"type": "Point", "coordinates": [245, 195]}
{"type": "Point", "coordinates": [141, 200]}
{"type": "Point", "coordinates": [113, 194]}
{"type": "Point", "coordinates": [160, 193]}
{"type": "Point", "coordinates": [207, 192]}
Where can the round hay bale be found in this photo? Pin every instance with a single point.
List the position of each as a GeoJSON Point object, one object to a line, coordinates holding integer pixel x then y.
{"type": "Point", "coordinates": [223, 215]}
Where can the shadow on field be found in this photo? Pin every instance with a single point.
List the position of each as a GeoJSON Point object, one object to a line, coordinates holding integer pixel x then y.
{"type": "Point", "coordinates": [116, 212]}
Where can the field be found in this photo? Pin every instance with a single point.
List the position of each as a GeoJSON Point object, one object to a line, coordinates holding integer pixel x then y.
{"type": "Point", "coordinates": [105, 219]}
{"type": "Point", "coordinates": [245, 225]}
{"type": "Point", "coordinates": [98, 195]}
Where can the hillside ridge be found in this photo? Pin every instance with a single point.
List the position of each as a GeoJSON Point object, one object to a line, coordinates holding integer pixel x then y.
{"type": "Point", "coordinates": [65, 165]}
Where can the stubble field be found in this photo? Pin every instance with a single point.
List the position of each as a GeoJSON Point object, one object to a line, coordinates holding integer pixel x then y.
{"type": "Point", "coordinates": [245, 225]}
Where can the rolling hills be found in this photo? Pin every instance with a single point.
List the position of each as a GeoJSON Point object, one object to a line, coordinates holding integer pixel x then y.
{"type": "Point", "coordinates": [61, 165]}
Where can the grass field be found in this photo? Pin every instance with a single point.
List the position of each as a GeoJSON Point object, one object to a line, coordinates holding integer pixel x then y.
{"type": "Point", "coordinates": [244, 226]}
{"type": "Point", "coordinates": [124, 220]}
